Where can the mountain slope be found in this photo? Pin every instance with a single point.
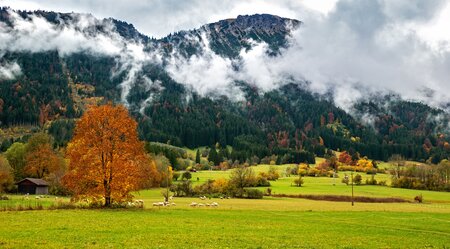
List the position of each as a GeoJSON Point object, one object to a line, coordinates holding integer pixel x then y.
{"type": "Point", "coordinates": [57, 82]}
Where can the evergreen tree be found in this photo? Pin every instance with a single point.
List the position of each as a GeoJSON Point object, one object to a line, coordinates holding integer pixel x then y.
{"type": "Point", "coordinates": [212, 157]}
{"type": "Point", "coordinates": [197, 157]}
{"type": "Point", "coordinates": [278, 162]}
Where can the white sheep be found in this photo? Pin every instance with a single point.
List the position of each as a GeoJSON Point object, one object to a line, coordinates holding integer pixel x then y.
{"type": "Point", "coordinates": [201, 205]}
{"type": "Point", "coordinates": [193, 204]}
{"type": "Point", "coordinates": [158, 204]}
{"type": "Point", "coordinates": [173, 204]}
{"type": "Point", "coordinates": [136, 203]}
{"type": "Point", "coordinates": [214, 204]}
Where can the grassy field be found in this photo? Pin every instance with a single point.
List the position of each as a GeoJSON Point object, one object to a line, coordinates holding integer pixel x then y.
{"type": "Point", "coordinates": [223, 228]}
{"type": "Point", "coordinates": [327, 185]}
{"type": "Point", "coordinates": [238, 223]}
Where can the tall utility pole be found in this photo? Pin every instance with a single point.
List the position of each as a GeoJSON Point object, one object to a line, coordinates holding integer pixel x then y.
{"type": "Point", "coordinates": [334, 177]}
{"type": "Point", "coordinates": [353, 203]}
{"type": "Point", "coordinates": [167, 185]}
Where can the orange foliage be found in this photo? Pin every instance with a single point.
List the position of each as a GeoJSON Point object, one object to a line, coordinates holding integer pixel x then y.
{"type": "Point", "coordinates": [106, 158]}
{"type": "Point", "coordinates": [364, 163]}
{"type": "Point", "coordinates": [220, 185]}
{"type": "Point", "coordinates": [324, 166]}
{"type": "Point", "coordinates": [41, 161]}
{"type": "Point", "coordinates": [345, 158]}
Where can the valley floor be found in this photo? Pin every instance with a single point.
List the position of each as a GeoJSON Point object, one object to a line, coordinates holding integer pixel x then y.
{"type": "Point", "coordinates": [222, 228]}
{"type": "Point", "coordinates": [239, 223]}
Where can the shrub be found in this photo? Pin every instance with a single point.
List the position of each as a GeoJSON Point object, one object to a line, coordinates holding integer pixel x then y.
{"type": "Point", "coordinates": [296, 170]}
{"type": "Point", "coordinates": [346, 168]}
{"type": "Point", "coordinates": [382, 183]}
{"type": "Point", "coordinates": [186, 175]}
{"type": "Point", "coordinates": [303, 166]}
{"type": "Point", "coordinates": [269, 191]}
{"type": "Point", "coordinates": [313, 172]}
{"type": "Point", "coordinates": [175, 176]}
{"type": "Point", "coordinates": [324, 166]}
{"type": "Point", "coordinates": [262, 181]}
{"type": "Point", "coordinates": [220, 185]}
{"type": "Point", "coordinates": [418, 198]}
{"type": "Point", "coordinates": [273, 174]}
{"type": "Point", "coordinates": [183, 189]}
{"type": "Point", "coordinates": [357, 179]}
{"type": "Point", "coordinates": [371, 181]}
{"type": "Point", "coordinates": [253, 194]}
{"type": "Point", "coordinates": [224, 165]}
{"type": "Point", "coordinates": [298, 182]}
{"type": "Point", "coordinates": [303, 172]}
{"type": "Point", "coordinates": [346, 179]}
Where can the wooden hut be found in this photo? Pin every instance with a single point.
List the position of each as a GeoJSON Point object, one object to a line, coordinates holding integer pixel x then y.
{"type": "Point", "coordinates": [33, 186]}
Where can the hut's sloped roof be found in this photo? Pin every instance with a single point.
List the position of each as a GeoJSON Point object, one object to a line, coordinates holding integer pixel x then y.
{"type": "Point", "coordinates": [38, 182]}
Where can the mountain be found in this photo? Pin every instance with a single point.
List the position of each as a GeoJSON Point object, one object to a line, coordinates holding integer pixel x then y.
{"type": "Point", "coordinates": [60, 76]}
{"type": "Point", "coordinates": [228, 37]}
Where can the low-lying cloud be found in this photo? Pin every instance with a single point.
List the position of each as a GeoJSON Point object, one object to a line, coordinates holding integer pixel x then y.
{"type": "Point", "coordinates": [9, 71]}
{"type": "Point", "coordinates": [359, 49]}
{"type": "Point", "coordinates": [35, 34]}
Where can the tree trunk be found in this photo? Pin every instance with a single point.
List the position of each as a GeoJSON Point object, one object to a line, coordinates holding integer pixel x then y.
{"type": "Point", "coordinates": [107, 201]}
{"type": "Point", "coordinates": [107, 194]}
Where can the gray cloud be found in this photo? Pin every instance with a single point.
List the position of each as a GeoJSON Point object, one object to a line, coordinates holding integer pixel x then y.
{"type": "Point", "coordinates": [9, 71]}
{"type": "Point", "coordinates": [158, 18]}
{"type": "Point", "coordinates": [36, 34]}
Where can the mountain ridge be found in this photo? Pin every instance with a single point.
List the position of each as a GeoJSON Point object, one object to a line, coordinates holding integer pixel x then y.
{"type": "Point", "coordinates": [285, 121]}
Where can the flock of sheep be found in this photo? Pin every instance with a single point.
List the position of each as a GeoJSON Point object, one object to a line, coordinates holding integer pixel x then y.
{"type": "Point", "coordinates": [193, 204]}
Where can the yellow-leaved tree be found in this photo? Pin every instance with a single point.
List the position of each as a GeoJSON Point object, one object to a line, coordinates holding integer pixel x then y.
{"type": "Point", "coordinates": [106, 157]}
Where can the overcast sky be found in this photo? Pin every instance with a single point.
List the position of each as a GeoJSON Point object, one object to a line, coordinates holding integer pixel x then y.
{"type": "Point", "coordinates": [346, 45]}
{"type": "Point", "coordinates": [160, 17]}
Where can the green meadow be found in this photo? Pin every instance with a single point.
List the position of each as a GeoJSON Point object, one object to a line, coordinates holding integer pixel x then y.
{"type": "Point", "coordinates": [240, 223]}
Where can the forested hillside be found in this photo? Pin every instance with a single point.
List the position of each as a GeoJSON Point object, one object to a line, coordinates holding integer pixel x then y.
{"type": "Point", "coordinates": [54, 87]}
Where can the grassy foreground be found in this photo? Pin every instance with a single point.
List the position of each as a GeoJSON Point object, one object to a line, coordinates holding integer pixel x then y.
{"type": "Point", "coordinates": [238, 223]}
{"type": "Point", "coordinates": [208, 228]}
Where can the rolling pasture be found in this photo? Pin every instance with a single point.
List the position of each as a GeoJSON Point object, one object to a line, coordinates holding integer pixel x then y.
{"type": "Point", "coordinates": [239, 223]}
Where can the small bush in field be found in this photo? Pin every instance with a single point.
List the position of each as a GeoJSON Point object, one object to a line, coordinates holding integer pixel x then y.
{"type": "Point", "coordinates": [253, 194]}
{"type": "Point", "coordinates": [186, 175]}
{"type": "Point", "coordinates": [262, 181]}
{"type": "Point", "coordinates": [175, 176]}
{"type": "Point", "coordinates": [298, 182]}
{"type": "Point", "coordinates": [382, 183]}
{"type": "Point", "coordinates": [345, 179]}
{"type": "Point", "coordinates": [371, 181]}
{"type": "Point", "coordinates": [357, 179]}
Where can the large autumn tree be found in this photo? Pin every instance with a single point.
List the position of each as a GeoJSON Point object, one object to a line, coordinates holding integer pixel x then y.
{"type": "Point", "coordinates": [106, 157]}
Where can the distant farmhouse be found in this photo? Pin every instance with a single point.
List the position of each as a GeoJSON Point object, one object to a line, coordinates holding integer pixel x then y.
{"type": "Point", "coordinates": [33, 186]}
